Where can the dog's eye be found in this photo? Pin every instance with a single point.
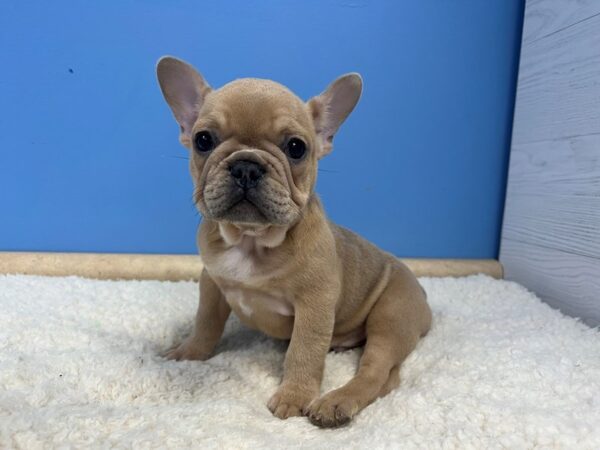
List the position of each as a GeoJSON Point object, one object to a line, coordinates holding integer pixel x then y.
{"type": "Point", "coordinates": [204, 141]}
{"type": "Point", "coordinates": [295, 148]}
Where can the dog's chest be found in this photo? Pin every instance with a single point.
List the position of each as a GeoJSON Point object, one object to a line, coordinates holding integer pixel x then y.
{"type": "Point", "coordinates": [244, 284]}
{"type": "Point", "coordinates": [237, 265]}
{"type": "Point", "coordinates": [256, 304]}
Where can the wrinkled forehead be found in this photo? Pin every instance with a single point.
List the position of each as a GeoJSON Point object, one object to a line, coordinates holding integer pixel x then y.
{"type": "Point", "coordinates": [253, 108]}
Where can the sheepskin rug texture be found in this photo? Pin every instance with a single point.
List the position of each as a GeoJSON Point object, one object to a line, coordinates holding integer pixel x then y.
{"type": "Point", "coordinates": [80, 368]}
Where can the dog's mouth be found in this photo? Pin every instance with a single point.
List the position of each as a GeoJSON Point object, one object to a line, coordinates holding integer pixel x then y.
{"type": "Point", "coordinates": [240, 206]}
{"type": "Point", "coordinates": [244, 209]}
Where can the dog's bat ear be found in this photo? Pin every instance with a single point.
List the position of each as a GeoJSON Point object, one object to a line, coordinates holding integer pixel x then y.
{"type": "Point", "coordinates": [332, 107]}
{"type": "Point", "coordinates": [184, 90]}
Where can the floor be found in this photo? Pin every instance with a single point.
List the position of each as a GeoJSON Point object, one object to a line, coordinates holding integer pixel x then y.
{"type": "Point", "coordinates": [79, 367]}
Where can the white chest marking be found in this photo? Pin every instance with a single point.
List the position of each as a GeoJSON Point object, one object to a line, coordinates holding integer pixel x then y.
{"type": "Point", "coordinates": [235, 264]}
{"type": "Point", "coordinates": [245, 307]}
{"type": "Point", "coordinates": [248, 303]}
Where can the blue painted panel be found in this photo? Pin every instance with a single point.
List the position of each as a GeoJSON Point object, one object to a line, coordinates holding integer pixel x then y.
{"type": "Point", "coordinates": [89, 158]}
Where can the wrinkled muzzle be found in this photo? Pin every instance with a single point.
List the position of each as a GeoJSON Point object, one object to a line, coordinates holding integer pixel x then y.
{"type": "Point", "coordinates": [247, 187]}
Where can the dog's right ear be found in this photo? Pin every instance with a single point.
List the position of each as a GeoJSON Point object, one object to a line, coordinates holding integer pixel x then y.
{"type": "Point", "coordinates": [184, 90]}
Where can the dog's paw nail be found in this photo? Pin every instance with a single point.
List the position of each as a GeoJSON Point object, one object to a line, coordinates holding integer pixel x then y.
{"type": "Point", "coordinates": [315, 419]}
{"type": "Point", "coordinates": [280, 411]}
{"type": "Point", "coordinates": [284, 411]}
{"type": "Point", "coordinates": [185, 351]}
{"type": "Point", "coordinates": [288, 402]}
{"type": "Point", "coordinates": [331, 412]}
{"type": "Point", "coordinates": [341, 417]}
{"type": "Point", "coordinates": [272, 403]}
{"type": "Point", "coordinates": [171, 354]}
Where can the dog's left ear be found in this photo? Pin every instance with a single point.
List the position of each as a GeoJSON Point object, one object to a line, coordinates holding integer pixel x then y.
{"type": "Point", "coordinates": [184, 90]}
{"type": "Point", "coordinates": [332, 107]}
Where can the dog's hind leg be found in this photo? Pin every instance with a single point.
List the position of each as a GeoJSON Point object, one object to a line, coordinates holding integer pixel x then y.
{"type": "Point", "coordinates": [392, 382]}
{"type": "Point", "coordinates": [396, 322]}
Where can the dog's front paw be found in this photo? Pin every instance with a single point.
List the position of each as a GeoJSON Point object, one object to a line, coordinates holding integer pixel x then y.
{"type": "Point", "coordinates": [332, 410]}
{"type": "Point", "coordinates": [188, 349]}
{"type": "Point", "coordinates": [290, 400]}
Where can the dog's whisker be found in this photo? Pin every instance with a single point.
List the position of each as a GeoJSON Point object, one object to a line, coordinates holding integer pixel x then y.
{"type": "Point", "coordinates": [175, 157]}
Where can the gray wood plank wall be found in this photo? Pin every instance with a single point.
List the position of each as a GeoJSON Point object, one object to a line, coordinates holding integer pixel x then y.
{"type": "Point", "coordinates": [551, 231]}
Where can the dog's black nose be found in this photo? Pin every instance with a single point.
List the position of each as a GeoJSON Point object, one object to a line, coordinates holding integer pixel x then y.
{"type": "Point", "coordinates": [246, 173]}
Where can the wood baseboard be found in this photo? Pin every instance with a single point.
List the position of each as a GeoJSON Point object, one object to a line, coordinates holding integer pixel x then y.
{"type": "Point", "coordinates": [113, 266]}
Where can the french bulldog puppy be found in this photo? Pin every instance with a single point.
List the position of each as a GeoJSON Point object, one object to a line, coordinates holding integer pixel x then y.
{"type": "Point", "coordinates": [271, 255]}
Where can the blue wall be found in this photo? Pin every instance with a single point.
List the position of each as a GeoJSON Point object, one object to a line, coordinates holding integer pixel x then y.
{"type": "Point", "coordinates": [89, 158]}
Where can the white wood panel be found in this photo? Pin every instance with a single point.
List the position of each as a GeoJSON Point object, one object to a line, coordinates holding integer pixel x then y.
{"type": "Point", "coordinates": [553, 195]}
{"type": "Point", "coordinates": [558, 92]}
{"type": "Point", "coordinates": [565, 281]}
{"type": "Point", "coordinates": [551, 230]}
{"type": "Point", "coordinates": [556, 221]}
{"type": "Point", "coordinates": [572, 163]}
{"type": "Point", "coordinates": [545, 17]}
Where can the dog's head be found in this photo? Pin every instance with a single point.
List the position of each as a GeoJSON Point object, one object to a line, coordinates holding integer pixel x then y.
{"type": "Point", "coordinates": [253, 144]}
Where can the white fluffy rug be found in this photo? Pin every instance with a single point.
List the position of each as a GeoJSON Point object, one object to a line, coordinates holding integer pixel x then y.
{"type": "Point", "coordinates": [79, 368]}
